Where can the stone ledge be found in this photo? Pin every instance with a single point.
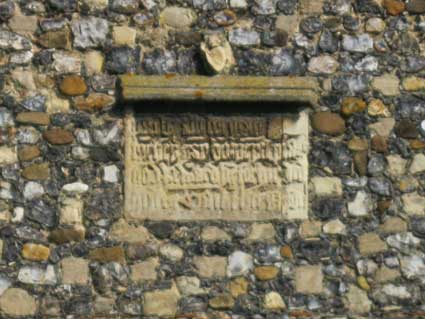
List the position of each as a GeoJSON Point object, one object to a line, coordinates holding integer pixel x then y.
{"type": "Point", "coordinates": [300, 90]}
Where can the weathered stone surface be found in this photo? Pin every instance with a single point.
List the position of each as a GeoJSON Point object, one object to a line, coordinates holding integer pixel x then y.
{"type": "Point", "coordinates": [416, 6]}
{"type": "Point", "coordinates": [213, 233]}
{"type": "Point", "coordinates": [8, 155]}
{"type": "Point", "coordinates": [37, 171]}
{"type": "Point", "coordinates": [370, 244]}
{"type": "Point", "coordinates": [328, 123]}
{"type": "Point", "coordinates": [383, 127]}
{"type": "Point", "coordinates": [35, 252]}
{"type": "Point", "coordinates": [414, 204]}
{"type": "Point", "coordinates": [75, 271]}
{"type": "Point", "coordinates": [38, 275]}
{"type": "Point", "coordinates": [238, 286]}
{"type": "Point", "coordinates": [60, 39]}
{"type": "Point", "coordinates": [262, 232]}
{"type": "Point", "coordinates": [356, 301]}
{"type": "Point", "coordinates": [326, 186]}
{"type": "Point", "coordinates": [222, 302]}
{"type": "Point", "coordinates": [273, 301]}
{"type": "Point", "coordinates": [71, 211]}
{"type": "Point", "coordinates": [143, 201]}
{"type": "Point", "coordinates": [358, 43]}
{"type": "Point", "coordinates": [387, 84]}
{"type": "Point", "coordinates": [177, 17]}
{"type": "Point", "coordinates": [123, 231]}
{"type": "Point", "coordinates": [123, 35]}
{"type": "Point", "coordinates": [239, 264]}
{"type": "Point", "coordinates": [73, 85]}
{"type": "Point", "coordinates": [211, 266]}
{"type": "Point", "coordinates": [28, 153]}
{"type": "Point", "coordinates": [393, 225]}
{"type": "Point", "coordinates": [37, 118]}
{"type": "Point", "coordinates": [94, 62]}
{"type": "Point", "coordinates": [108, 254]}
{"type": "Point", "coordinates": [309, 279]}
{"type": "Point", "coordinates": [162, 303]}
{"type": "Point", "coordinates": [26, 306]}
{"type": "Point", "coordinates": [418, 164]}
{"type": "Point", "coordinates": [58, 136]}
{"type": "Point", "coordinates": [311, 7]}
{"type": "Point", "coordinates": [146, 270]}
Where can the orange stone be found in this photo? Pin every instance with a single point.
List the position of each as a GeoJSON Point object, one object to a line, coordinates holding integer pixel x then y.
{"type": "Point", "coordinates": [73, 85]}
{"type": "Point", "coordinates": [58, 136]}
{"type": "Point", "coordinates": [417, 144]}
{"type": "Point", "coordinates": [379, 144]}
{"type": "Point", "coordinates": [266, 272]}
{"type": "Point", "coordinates": [94, 102]}
{"type": "Point", "coordinates": [394, 7]}
{"type": "Point", "coordinates": [35, 252]}
{"type": "Point", "coordinates": [38, 171]}
{"type": "Point", "coordinates": [286, 251]}
{"type": "Point", "coordinates": [328, 123]}
{"type": "Point", "coordinates": [37, 118]}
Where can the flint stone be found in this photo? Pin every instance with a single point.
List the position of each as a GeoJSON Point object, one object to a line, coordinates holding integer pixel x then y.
{"type": "Point", "coordinates": [90, 32]}
{"type": "Point", "coordinates": [412, 266]}
{"type": "Point", "coordinates": [240, 264]}
{"type": "Point", "coordinates": [13, 41]}
{"type": "Point", "coordinates": [38, 275]}
{"type": "Point", "coordinates": [244, 38]}
{"type": "Point", "coordinates": [362, 204]}
{"type": "Point", "coordinates": [323, 65]}
{"type": "Point", "coordinates": [362, 43]}
{"type": "Point", "coordinates": [403, 242]}
{"type": "Point", "coordinates": [124, 6]}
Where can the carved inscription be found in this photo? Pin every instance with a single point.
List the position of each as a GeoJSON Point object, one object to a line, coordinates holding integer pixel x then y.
{"type": "Point", "coordinates": [202, 167]}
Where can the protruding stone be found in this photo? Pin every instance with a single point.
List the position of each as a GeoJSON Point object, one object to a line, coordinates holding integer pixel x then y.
{"type": "Point", "coordinates": [18, 302]}
{"type": "Point", "coordinates": [328, 123]}
{"type": "Point", "coordinates": [108, 254]}
{"type": "Point", "coordinates": [37, 118]}
{"type": "Point", "coordinates": [73, 85]}
{"type": "Point", "coordinates": [309, 279]}
{"type": "Point", "coordinates": [371, 244]}
{"type": "Point", "coordinates": [36, 172]}
{"type": "Point", "coordinates": [218, 53]}
{"type": "Point", "coordinates": [58, 136]}
{"type": "Point", "coordinates": [35, 252]}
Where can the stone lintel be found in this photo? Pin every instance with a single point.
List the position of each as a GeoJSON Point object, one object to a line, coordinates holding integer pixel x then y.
{"type": "Point", "coordinates": [299, 90]}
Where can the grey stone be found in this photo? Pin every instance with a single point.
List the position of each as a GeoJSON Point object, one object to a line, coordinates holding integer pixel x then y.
{"type": "Point", "coordinates": [124, 6]}
{"type": "Point", "coordinates": [41, 213]}
{"type": "Point", "coordinates": [13, 41]}
{"type": "Point", "coordinates": [38, 275]}
{"type": "Point", "coordinates": [412, 266]}
{"type": "Point", "coordinates": [376, 165]}
{"type": "Point", "coordinates": [28, 135]}
{"type": "Point", "coordinates": [362, 204]}
{"type": "Point", "coordinates": [90, 32]}
{"type": "Point", "coordinates": [244, 37]}
{"type": "Point", "coordinates": [367, 64]}
{"type": "Point", "coordinates": [33, 190]}
{"type": "Point", "coordinates": [357, 43]}
{"type": "Point", "coordinates": [63, 5]}
{"type": "Point", "coordinates": [7, 9]}
{"type": "Point", "coordinates": [122, 60]}
{"type": "Point", "coordinates": [381, 186]}
{"type": "Point", "coordinates": [6, 117]}
{"type": "Point", "coordinates": [328, 42]}
{"type": "Point", "coordinates": [264, 7]}
{"type": "Point", "coordinates": [5, 283]}
{"type": "Point", "coordinates": [160, 62]}
{"type": "Point", "coordinates": [239, 264]}
{"type": "Point", "coordinates": [285, 63]}
{"type": "Point", "coordinates": [404, 242]}
{"type": "Point", "coordinates": [35, 103]}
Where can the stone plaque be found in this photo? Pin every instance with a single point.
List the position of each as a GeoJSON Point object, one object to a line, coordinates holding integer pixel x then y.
{"type": "Point", "coordinates": [205, 167]}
